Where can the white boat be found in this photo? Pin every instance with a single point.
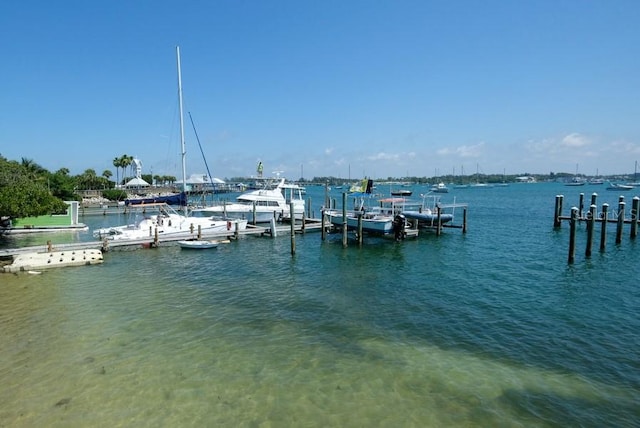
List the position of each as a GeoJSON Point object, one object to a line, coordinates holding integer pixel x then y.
{"type": "Point", "coordinates": [427, 214]}
{"type": "Point", "coordinates": [194, 244]}
{"type": "Point", "coordinates": [149, 219]}
{"type": "Point", "coordinates": [165, 221]}
{"type": "Point", "coordinates": [384, 219]}
{"type": "Point", "coordinates": [440, 188]}
{"type": "Point", "coordinates": [266, 203]}
{"type": "Point", "coordinates": [618, 186]}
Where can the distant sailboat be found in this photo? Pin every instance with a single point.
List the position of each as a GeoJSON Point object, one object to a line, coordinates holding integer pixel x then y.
{"type": "Point", "coordinates": [635, 176]}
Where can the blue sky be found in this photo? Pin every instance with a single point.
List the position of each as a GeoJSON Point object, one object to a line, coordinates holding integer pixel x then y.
{"type": "Point", "coordinates": [341, 88]}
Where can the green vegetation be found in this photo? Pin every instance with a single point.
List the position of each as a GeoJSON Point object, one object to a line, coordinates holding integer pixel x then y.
{"type": "Point", "coordinates": [25, 190]}
{"type": "Point", "coordinates": [114, 194]}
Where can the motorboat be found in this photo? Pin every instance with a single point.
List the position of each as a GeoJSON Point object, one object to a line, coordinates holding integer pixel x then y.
{"type": "Point", "coordinates": [440, 188]}
{"type": "Point", "coordinates": [195, 244]}
{"type": "Point", "coordinates": [382, 219]}
{"type": "Point", "coordinates": [261, 205]}
{"type": "Point", "coordinates": [401, 192]}
{"type": "Point", "coordinates": [150, 219]}
{"type": "Point", "coordinates": [618, 186]}
{"type": "Point", "coordinates": [430, 212]}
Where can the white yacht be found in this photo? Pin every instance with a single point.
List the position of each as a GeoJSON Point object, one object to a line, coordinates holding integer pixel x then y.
{"type": "Point", "coordinates": [267, 203]}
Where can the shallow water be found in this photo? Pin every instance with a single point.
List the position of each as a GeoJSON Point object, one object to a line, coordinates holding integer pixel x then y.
{"type": "Point", "coordinates": [489, 328]}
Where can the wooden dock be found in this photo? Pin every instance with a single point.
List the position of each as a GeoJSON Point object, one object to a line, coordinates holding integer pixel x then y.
{"type": "Point", "coordinates": [309, 225]}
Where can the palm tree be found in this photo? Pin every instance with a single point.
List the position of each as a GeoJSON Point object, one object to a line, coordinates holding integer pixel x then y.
{"type": "Point", "coordinates": [117, 164]}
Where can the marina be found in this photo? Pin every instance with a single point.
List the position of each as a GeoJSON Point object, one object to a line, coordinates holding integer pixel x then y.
{"type": "Point", "coordinates": [487, 328]}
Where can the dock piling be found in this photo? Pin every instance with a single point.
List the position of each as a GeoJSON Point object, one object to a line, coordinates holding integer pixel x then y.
{"type": "Point", "coordinates": [464, 220]}
{"type": "Point", "coordinates": [572, 234]}
{"type": "Point", "coordinates": [292, 219]}
{"type": "Point", "coordinates": [591, 222]}
{"type": "Point", "coordinates": [557, 212]}
{"type": "Point", "coordinates": [620, 224]}
{"type": "Point", "coordinates": [603, 230]}
{"type": "Point", "coordinates": [344, 220]}
{"type": "Point", "coordinates": [635, 205]}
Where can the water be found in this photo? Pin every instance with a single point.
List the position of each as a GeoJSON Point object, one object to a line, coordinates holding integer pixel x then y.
{"type": "Point", "coordinates": [491, 328]}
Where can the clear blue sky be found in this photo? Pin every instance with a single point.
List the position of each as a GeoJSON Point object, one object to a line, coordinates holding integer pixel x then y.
{"type": "Point", "coordinates": [318, 88]}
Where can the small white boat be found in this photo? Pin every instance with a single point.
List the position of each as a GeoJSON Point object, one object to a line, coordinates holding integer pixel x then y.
{"type": "Point", "coordinates": [440, 188]}
{"type": "Point", "coordinates": [617, 186]}
{"type": "Point", "coordinates": [198, 245]}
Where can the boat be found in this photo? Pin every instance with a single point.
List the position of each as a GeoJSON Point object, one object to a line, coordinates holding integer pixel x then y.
{"type": "Point", "coordinates": [60, 222]}
{"type": "Point", "coordinates": [380, 219]}
{"type": "Point", "coordinates": [576, 181]}
{"type": "Point", "coordinates": [430, 211]}
{"type": "Point", "coordinates": [195, 244]}
{"type": "Point", "coordinates": [618, 186]}
{"type": "Point", "coordinates": [439, 188]}
{"type": "Point", "coordinates": [161, 219]}
{"type": "Point", "coordinates": [172, 199]}
{"type": "Point", "coordinates": [401, 192]}
{"type": "Point", "coordinates": [262, 205]}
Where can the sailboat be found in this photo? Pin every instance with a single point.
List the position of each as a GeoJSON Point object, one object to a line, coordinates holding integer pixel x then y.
{"type": "Point", "coordinates": [169, 222]}
{"type": "Point", "coordinates": [635, 177]}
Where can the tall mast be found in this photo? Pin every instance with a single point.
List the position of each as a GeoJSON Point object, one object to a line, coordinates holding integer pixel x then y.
{"type": "Point", "coordinates": [182, 144]}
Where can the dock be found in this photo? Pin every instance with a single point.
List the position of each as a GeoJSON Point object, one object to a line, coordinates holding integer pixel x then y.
{"type": "Point", "coordinates": [309, 225]}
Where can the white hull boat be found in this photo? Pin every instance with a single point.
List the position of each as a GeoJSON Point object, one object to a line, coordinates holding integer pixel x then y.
{"type": "Point", "coordinates": [198, 245]}
{"type": "Point", "coordinates": [167, 222]}
{"type": "Point", "coordinates": [266, 204]}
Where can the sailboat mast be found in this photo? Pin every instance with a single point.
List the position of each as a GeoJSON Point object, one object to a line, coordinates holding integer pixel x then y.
{"type": "Point", "coordinates": [182, 144]}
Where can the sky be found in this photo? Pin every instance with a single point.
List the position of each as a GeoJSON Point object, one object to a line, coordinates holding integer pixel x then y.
{"type": "Point", "coordinates": [337, 88]}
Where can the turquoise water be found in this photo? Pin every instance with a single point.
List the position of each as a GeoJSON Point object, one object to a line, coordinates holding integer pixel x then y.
{"type": "Point", "coordinates": [488, 328]}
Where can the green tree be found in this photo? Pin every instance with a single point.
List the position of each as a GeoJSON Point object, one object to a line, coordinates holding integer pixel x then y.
{"type": "Point", "coordinates": [22, 193]}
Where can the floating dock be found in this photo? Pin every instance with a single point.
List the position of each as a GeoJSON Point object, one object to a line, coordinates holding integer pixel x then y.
{"type": "Point", "coordinates": [39, 261]}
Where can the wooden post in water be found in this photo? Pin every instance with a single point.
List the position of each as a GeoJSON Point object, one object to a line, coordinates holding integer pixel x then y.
{"type": "Point", "coordinates": [464, 220]}
{"type": "Point", "coordinates": [635, 205]}
{"type": "Point", "coordinates": [621, 205]}
{"type": "Point", "coordinates": [292, 220]}
{"type": "Point", "coordinates": [438, 221]}
{"type": "Point", "coordinates": [594, 197]}
{"type": "Point", "coordinates": [572, 234]}
{"type": "Point", "coordinates": [155, 238]}
{"type": "Point", "coordinates": [581, 211]}
{"type": "Point", "coordinates": [603, 229]}
{"type": "Point", "coordinates": [199, 232]}
{"type": "Point", "coordinates": [309, 214]}
{"type": "Point", "coordinates": [344, 220]}
{"type": "Point", "coordinates": [360, 237]}
{"type": "Point", "coordinates": [558, 211]}
{"type": "Point", "coordinates": [591, 222]}
{"type": "Point", "coordinates": [620, 223]}
{"type": "Point", "coordinates": [254, 213]}
{"type": "Point", "coordinates": [327, 201]}
{"type": "Point", "coordinates": [323, 232]}
{"type": "Point", "coordinates": [274, 231]}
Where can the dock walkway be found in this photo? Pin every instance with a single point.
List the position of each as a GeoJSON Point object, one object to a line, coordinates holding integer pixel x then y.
{"type": "Point", "coordinates": [106, 245]}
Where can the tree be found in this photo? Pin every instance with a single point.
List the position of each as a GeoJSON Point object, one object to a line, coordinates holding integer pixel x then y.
{"type": "Point", "coordinates": [22, 194]}
{"type": "Point", "coordinates": [117, 163]}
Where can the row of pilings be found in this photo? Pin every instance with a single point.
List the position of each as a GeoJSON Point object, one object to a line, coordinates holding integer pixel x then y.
{"type": "Point", "coordinates": [591, 217]}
